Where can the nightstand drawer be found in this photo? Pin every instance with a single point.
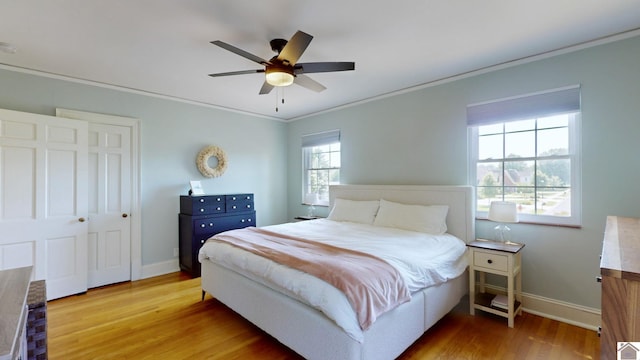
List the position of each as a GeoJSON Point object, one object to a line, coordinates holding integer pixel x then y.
{"type": "Point", "coordinates": [491, 261]}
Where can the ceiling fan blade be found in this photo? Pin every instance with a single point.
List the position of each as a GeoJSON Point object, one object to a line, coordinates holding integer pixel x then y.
{"type": "Point", "coordinates": [240, 52]}
{"type": "Point", "coordinates": [318, 67]}
{"type": "Point", "coordinates": [309, 83]}
{"type": "Point", "coordinates": [241, 72]}
{"type": "Point", "coordinates": [266, 88]}
{"type": "Point", "coordinates": [295, 47]}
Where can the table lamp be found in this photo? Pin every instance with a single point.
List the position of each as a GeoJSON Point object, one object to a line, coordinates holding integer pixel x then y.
{"type": "Point", "coordinates": [503, 212]}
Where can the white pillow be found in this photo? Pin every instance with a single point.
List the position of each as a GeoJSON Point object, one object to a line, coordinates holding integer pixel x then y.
{"type": "Point", "coordinates": [354, 211]}
{"type": "Point", "coordinates": [421, 218]}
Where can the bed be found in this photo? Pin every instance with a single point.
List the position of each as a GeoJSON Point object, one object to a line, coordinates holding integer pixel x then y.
{"type": "Point", "coordinates": [314, 331]}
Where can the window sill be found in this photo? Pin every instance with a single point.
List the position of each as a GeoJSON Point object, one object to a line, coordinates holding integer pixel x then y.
{"type": "Point", "coordinates": [539, 223]}
{"type": "Point", "coordinates": [316, 205]}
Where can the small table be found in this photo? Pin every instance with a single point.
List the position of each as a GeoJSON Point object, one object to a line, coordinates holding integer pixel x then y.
{"type": "Point", "coordinates": [498, 258]}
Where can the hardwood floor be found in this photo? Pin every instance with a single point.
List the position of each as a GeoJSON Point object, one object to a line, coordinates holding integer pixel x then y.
{"type": "Point", "coordinates": [163, 318]}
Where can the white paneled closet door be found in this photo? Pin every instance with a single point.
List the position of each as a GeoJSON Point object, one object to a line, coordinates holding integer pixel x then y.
{"type": "Point", "coordinates": [109, 204]}
{"type": "Point", "coordinates": [43, 199]}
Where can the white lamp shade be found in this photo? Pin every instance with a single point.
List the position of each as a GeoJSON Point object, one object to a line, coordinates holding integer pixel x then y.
{"type": "Point", "coordinates": [279, 78]}
{"type": "Point", "coordinates": [311, 198]}
{"type": "Point", "coordinates": [503, 212]}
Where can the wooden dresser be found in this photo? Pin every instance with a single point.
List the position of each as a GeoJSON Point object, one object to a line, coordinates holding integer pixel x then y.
{"type": "Point", "coordinates": [620, 273]}
{"type": "Point", "coordinates": [204, 216]}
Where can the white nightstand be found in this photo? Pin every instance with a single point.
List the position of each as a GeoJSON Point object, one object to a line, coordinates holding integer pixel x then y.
{"type": "Point", "coordinates": [498, 258]}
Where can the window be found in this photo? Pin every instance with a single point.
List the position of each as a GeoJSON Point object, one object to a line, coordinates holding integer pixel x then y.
{"type": "Point", "coordinates": [526, 150]}
{"type": "Point", "coordinates": [321, 164]}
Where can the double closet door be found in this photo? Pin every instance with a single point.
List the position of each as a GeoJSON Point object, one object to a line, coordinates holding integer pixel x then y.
{"type": "Point", "coordinates": [65, 199]}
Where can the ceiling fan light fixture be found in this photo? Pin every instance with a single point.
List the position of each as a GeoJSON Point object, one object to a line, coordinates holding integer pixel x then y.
{"type": "Point", "coordinates": [278, 76]}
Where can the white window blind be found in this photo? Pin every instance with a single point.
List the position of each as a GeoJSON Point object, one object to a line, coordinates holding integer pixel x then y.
{"type": "Point", "coordinates": [322, 138]}
{"type": "Point", "coordinates": [536, 105]}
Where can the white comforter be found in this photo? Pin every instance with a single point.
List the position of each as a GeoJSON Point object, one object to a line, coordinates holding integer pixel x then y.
{"type": "Point", "coordinates": [423, 260]}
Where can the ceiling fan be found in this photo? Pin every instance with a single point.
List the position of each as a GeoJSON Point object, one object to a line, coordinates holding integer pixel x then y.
{"type": "Point", "coordinates": [284, 68]}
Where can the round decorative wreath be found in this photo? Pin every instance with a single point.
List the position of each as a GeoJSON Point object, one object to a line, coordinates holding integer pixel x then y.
{"type": "Point", "coordinates": [202, 160]}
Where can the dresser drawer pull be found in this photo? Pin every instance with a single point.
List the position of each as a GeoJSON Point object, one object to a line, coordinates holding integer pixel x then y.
{"type": "Point", "coordinates": [201, 200]}
{"type": "Point", "coordinates": [202, 225]}
{"type": "Point", "coordinates": [248, 206]}
{"type": "Point", "coordinates": [201, 210]}
{"type": "Point", "coordinates": [218, 199]}
{"type": "Point", "coordinates": [599, 279]}
{"type": "Point", "coordinates": [242, 220]}
{"type": "Point", "coordinates": [202, 241]}
{"type": "Point", "coordinates": [218, 208]}
{"type": "Point", "coordinates": [490, 261]}
{"type": "Point", "coordinates": [248, 197]}
{"type": "Point", "coordinates": [249, 220]}
{"type": "Point", "coordinates": [210, 224]}
{"type": "Point", "coordinates": [234, 207]}
{"type": "Point", "coordinates": [233, 198]}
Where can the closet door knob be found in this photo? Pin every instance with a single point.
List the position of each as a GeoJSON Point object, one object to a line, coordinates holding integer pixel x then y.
{"type": "Point", "coordinates": [81, 219]}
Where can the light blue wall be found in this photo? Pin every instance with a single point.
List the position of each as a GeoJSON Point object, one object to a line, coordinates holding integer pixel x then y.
{"type": "Point", "coordinates": [421, 138]}
{"type": "Point", "coordinates": [172, 134]}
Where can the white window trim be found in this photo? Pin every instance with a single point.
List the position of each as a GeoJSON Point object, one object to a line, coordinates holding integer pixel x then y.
{"type": "Point", "coordinates": [309, 141]}
{"type": "Point", "coordinates": [575, 154]}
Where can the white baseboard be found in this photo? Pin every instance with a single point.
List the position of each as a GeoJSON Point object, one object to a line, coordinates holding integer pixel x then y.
{"type": "Point", "coordinates": [161, 268]}
{"type": "Point", "coordinates": [578, 315]}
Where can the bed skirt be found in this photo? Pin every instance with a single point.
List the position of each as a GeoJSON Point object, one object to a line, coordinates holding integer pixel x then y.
{"type": "Point", "coordinates": [312, 335]}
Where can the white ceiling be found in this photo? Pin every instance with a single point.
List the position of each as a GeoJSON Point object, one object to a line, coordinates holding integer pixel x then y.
{"type": "Point", "coordinates": [162, 46]}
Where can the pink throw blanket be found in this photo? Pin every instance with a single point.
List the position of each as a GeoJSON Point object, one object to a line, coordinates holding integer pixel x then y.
{"type": "Point", "coordinates": [371, 285]}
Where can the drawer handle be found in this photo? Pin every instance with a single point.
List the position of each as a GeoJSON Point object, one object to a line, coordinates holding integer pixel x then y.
{"type": "Point", "coordinates": [210, 224]}
{"type": "Point", "coordinates": [201, 200]}
{"type": "Point", "coordinates": [248, 197]}
{"type": "Point", "coordinates": [233, 207]}
{"type": "Point", "coordinates": [490, 261]}
{"type": "Point", "coordinates": [218, 199]}
{"type": "Point", "coordinates": [203, 225]}
{"type": "Point", "coordinates": [202, 241]}
{"type": "Point", "coordinates": [242, 220]}
{"type": "Point", "coordinates": [218, 208]}
{"type": "Point", "coordinates": [249, 220]}
{"type": "Point", "coordinates": [201, 210]}
{"type": "Point", "coordinates": [599, 279]}
{"type": "Point", "coordinates": [248, 206]}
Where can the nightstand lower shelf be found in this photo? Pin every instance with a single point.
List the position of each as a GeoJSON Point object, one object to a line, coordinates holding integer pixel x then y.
{"type": "Point", "coordinates": [483, 302]}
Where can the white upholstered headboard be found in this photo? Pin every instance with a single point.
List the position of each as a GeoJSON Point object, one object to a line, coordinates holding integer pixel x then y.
{"type": "Point", "coordinates": [460, 218]}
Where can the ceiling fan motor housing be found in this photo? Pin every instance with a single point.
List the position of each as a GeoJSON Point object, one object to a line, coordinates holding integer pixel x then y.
{"type": "Point", "coordinates": [278, 44]}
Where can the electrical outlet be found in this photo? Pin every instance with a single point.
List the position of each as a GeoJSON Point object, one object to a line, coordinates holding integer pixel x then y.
{"type": "Point", "coordinates": [175, 252]}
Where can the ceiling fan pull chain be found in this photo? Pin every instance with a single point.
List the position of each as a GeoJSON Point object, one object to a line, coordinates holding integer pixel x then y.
{"type": "Point", "coordinates": [276, 100]}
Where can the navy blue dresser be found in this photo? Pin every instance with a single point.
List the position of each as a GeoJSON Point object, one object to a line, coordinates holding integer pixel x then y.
{"type": "Point", "coordinates": [204, 216]}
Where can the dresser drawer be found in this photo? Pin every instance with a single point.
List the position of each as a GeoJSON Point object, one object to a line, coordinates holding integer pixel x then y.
{"type": "Point", "coordinates": [206, 226]}
{"type": "Point", "coordinates": [489, 260]}
{"type": "Point", "coordinates": [239, 202]}
{"type": "Point", "coordinates": [237, 221]}
{"type": "Point", "coordinates": [201, 205]}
